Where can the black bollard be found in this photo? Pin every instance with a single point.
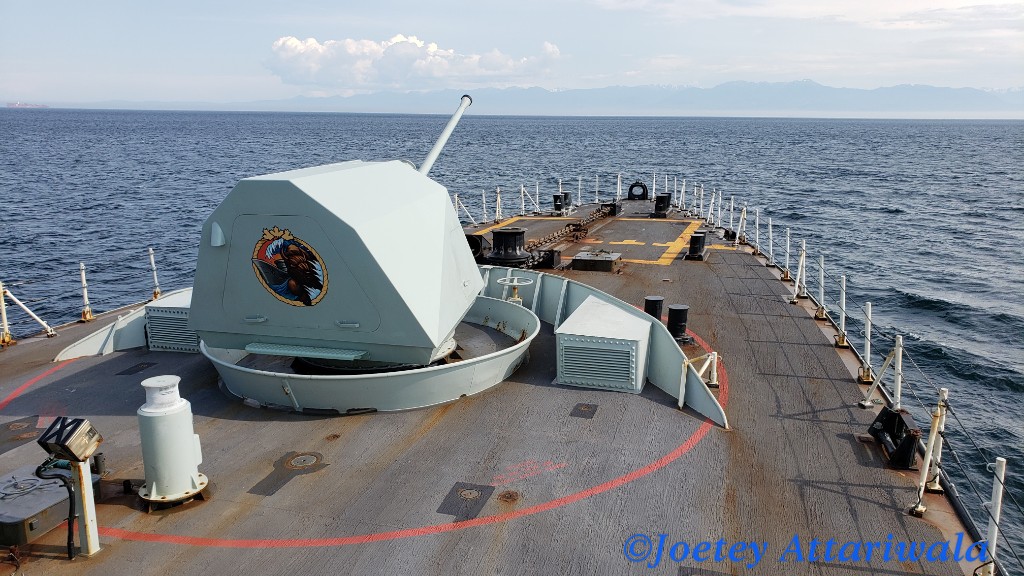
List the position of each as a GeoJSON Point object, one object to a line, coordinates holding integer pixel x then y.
{"type": "Point", "coordinates": [677, 314]}
{"type": "Point", "coordinates": [652, 306]}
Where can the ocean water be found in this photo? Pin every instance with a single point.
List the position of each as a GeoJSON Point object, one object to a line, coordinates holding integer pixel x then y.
{"type": "Point", "coordinates": [924, 217]}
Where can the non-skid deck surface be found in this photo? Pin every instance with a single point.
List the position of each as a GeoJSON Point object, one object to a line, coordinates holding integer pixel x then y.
{"type": "Point", "coordinates": [520, 479]}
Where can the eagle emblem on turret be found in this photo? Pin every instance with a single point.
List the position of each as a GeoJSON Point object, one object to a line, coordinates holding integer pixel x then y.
{"type": "Point", "coordinates": [289, 268]}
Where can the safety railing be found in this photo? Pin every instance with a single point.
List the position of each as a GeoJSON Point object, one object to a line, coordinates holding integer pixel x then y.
{"type": "Point", "coordinates": [498, 205]}
{"type": "Point", "coordinates": [12, 326]}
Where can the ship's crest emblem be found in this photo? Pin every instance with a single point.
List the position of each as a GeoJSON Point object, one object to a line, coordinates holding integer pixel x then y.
{"type": "Point", "coordinates": [289, 268]}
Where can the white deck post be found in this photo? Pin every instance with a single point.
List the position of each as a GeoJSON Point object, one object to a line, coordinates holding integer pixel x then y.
{"type": "Point", "coordinates": [483, 203]}
{"type": "Point", "coordinates": [522, 200]}
{"type": "Point", "coordinates": [5, 331]}
{"type": "Point", "coordinates": [579, 192]}
{"type": "Point", "coordinates": [801, 271]}
{"type": "Point", "coordinates": [718, 220]}
{"type": "Point", "coordinates": [156, 283]}
{"type": "Point", "coordinates": [820, 313]}
{"type": "Point", "coordinates": [742, 227]}
{"type": "Point", "coordinates": [785, 271]}
{"type": "Point", "coordinates": [86, 309]}
{"type": "Point", "coordinates": [618, 188]}
{"type": "Point", "coordinates": [732, 212]}
{"type": "Point", "coordinates": [771, 245]}
{"type": "Point", "coordinates": [919, 508]}
{"type": "Point", "coordinates": [995, 507]}
{"type": "Point", "coordinates": [865, 370]}
{"type": "Point", "coordinates": [757, 231]}
{"type": "Point", "coordinates": [933, 484]}
{"type": "Point", "coordinates": [841, 337]}
{"type": "Point", "coordinates": [898, 374]}
{"type": "Point", "coordinates": [497, 206]}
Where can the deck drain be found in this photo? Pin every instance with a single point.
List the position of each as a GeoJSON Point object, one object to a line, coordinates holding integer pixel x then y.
{"type": "Point", "coordinates": [465, 501]}
{"type": "Point", "coordinates": [302, 461]}
{"type": "Point", "coordinates": [469, 493]}
{"type": "Point", "coordinates": [287, 467]}
{"type": "Point", "coordinates": [584, 411]}
{"type": "Point", "coordinates": [17, 425]}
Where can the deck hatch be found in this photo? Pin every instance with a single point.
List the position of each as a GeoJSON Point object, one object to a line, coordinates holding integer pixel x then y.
{"type": "Point", "coordinates": [136, 368]}
{"type": "Point", "coordinates": [465, 500]}
{"type": "Point", "coordinates": [583, 410]}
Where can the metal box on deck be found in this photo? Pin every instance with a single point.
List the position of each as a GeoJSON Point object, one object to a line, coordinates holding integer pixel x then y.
{"type": "Point", "coordinates": [31, 506]}
{"type": "Point", "coordinates": [596, 261]}
{"type": "Point", "coordinates": [167, 324]}
{"type": "Point", "coordinates": [601, 346]}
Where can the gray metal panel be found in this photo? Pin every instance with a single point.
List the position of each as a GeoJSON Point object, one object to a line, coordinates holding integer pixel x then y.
{"type": "Point", "coordinates": [167, 325]}
{"type": "Point", "coordinates": [369, 292]}
{"type": "Point", "coordinates": [390, 390]}
{"type": "Point", "coordinates": [559, 296]}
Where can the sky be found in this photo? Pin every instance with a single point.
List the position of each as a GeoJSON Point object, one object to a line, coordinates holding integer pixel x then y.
{"type": "Point", "coordinates": [64, 51]}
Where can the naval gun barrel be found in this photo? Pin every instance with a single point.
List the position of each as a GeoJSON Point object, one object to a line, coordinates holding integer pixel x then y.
{"type": "Point", "coordinates": [436, 150]}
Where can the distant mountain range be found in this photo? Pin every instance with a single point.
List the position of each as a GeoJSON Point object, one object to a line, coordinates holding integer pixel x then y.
{"type": "Point", "coordinates": [786, 99]}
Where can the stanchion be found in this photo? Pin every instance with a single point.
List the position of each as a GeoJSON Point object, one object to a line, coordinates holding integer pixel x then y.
{"type": "Point", "coordinates": [865, 376]}
{"type": "Point", "coordinates": [5, 331]}
{"type": "Point", "coordinates": [840, 338]}
{"type": "Point", "coordinates": [86, 309]}
{"type": "Point", "coordinates": [156, 283]}
{"type": "Point", "coordinates": [821, 313]}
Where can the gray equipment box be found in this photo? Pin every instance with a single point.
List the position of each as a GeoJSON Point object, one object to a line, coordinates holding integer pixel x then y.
{"type": "Point", "coordinates": [31, 506]}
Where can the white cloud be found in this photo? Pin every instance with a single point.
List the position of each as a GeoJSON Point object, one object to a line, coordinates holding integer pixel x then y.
{"type": "Point", "coordinates": [402, 62]}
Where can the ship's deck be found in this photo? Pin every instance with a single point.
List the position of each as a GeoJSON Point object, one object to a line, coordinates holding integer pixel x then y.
{"type": "Point", "coordinates": [520, 479]}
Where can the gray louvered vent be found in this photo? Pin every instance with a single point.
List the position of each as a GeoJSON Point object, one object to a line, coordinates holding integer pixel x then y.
{"type": "Point", "coordinates": [602, 367]}
{"type": "Point", "coordinates": [167, 324]}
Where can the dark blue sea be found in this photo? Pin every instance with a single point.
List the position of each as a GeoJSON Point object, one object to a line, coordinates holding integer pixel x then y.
{"type": "Point", "coordinates": [926, 219]}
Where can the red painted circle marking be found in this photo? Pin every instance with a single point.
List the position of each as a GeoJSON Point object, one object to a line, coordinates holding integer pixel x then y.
{"type": "Point", "coordinates": [686, 446]}
{"type": "Point", "coordinates": [17, 392]}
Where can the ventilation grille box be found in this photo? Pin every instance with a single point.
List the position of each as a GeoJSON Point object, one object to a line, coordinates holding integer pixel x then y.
{"type": "Point", "coordinates": [601, 346]}
{"type": "Point", "coordinates": [167, 324]}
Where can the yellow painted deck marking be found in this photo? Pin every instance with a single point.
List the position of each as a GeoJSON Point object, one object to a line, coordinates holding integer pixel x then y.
{"type": "Point", "coordinates": [498, 225]}
{"type": "Point", "coordinates": [721, 247]}
{"type": "Point", "coordinates": [592, 241]}
{"type": "Point", "coordinates": [662, 244]}
{"type": "Point", "coordinates": [509, 221]}
{"type": "Point", "coordinates": [674, 248]}
{"type": "Point", "coordinates": [630, 243]}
